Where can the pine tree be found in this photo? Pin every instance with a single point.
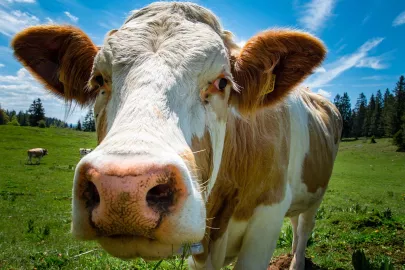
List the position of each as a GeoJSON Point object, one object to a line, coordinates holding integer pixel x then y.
{"type": "Point", "coordinates": [378, 114]}
{"type": "Point", "coordinates": [79, 125]}
{"type": "Point", "coordinates": [360, 116]}
{"type": "Point", "coordinates": [399, 105]}
{"type": "Point", "coordinates": [369, 127]}
{"type": "Point", "coordinates": [343, 104]}
{"type": "Point", "coordinates": [21, 118]}
{"type": "Point", "coordinates": [387, 113]}
{"type": "Point", "coordinates": [36, 112]}
{"type": "Point", "coordinates": [89, 123]}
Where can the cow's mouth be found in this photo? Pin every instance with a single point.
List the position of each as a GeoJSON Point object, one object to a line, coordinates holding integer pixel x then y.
{"type": "Point", "coordinates": [130, 246]}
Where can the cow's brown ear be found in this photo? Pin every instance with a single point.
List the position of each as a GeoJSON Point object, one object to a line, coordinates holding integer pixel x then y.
{"type": "Point", "coordinates": [61, 57]}
{"type": "Point", "coordinates": [271, 64]}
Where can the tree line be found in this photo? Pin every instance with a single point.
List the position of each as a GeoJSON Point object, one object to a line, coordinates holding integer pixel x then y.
{"type": "Point", "coordinates": [383, 115]}
{"type": "Point", "coordinates": [35, 117]}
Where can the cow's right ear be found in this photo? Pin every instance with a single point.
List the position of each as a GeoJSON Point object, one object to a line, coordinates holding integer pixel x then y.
{"type": "Point", "coordinates": [61, 57]}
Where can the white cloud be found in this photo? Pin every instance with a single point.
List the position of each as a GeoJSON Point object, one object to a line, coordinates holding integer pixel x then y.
{"type": "Point", "coordinates": [241, 43]}
{"type": "Point", "coordinates": [16, 20]}
{"type": "Point", "coordinates": [315, 14]}
{"type": "Point", "coordinates": [49, 20]}
{"type": "Point", "coordinates": [320, 70]}
{"type": "Point", "coordinates": [372, 62]}
{"type": "Point", "coordinates": [18, 91]}
{"type": "Point", "coordinates": [71, 17]}
{"type": "Point", "coordinates": [2, 65]}
{"type": "Point", "coordinates": [400, 19]}
{"type": "Point", "coordinates": [358, 58]}
{"type": "Point", "coordinates": [7, 2]}
{"type": "Point", "coordinates": [324, 93]}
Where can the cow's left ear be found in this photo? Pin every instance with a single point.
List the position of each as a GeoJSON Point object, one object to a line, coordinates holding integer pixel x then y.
{"type": "Point", "coordinates": [271, 64]}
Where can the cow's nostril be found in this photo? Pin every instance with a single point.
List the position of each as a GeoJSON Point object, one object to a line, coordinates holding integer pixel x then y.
{"type": "Point", "coordinates": [161, 197]}
{"type": "Point", "coordinates": [91, 196]}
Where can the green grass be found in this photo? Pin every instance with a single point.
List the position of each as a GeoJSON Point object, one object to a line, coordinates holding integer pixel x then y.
{"type": "Point", "coordinates": [364, 207]}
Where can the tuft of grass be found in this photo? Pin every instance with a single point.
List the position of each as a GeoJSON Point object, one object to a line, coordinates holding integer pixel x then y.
{"type": "Point", "coordinates": [286, 237]}
{"type": "Point", "coordinates": [361, 262]}
{"type": "Point", "coordinates": [30, 226]}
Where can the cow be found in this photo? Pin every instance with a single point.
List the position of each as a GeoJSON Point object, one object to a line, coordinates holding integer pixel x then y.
{"type": "Point", "coordinates": [38, 153]}
{"type": "Point", "coordinates": [201, 142]}
{"type": "Point", "coordinates": [84, 151]}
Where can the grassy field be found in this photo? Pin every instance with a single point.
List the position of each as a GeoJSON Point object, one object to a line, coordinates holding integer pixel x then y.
{"type": "Point", "coordinates": [364, 207]}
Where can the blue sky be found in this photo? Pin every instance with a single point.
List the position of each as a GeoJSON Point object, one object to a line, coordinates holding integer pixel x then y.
{"type": "Point", "coordinates": [365, 39]}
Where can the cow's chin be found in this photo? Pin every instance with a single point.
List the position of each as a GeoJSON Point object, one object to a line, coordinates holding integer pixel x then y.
{"type": "Point", "coordinates": [128, 247]}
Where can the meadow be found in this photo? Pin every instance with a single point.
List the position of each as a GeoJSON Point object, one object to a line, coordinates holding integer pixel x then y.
{"type": "Point", "coordinates": [364, 207]}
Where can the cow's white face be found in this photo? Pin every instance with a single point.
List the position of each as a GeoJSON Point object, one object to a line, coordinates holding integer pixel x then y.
{"type": "Point", "coordinates": [161, 83]}
{"type": "Point", "coordinates": [162, 86]}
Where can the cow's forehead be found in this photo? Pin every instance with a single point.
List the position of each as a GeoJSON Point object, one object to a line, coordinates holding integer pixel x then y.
{"type": "Point", "coordinates": [167, 10]}
{"type": "Point", "coordinates": [170, 27]}
{"type": "Point", "coordinates": [183, 34]}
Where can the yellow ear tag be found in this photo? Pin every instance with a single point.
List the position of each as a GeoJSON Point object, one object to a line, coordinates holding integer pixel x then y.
{"type": "Point", "coordinates": [272, 82]}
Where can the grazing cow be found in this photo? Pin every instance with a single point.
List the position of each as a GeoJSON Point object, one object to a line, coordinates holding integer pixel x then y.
{"type": "Point", "coordinates": [200, 141]}
{"type": "Point", "coordinates": [36, 153]}
{"type": "Point", "coordinates": [84, 151]}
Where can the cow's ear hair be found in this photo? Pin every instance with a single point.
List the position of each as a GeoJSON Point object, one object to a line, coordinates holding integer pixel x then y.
{"type": "Point", "coordinates": [61, 57]}
{"type": "Point", "coordinates": [271, 64]}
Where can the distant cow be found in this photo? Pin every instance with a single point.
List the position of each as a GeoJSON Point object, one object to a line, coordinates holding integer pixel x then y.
{"type": "Point", "coordinates": [36, 153]}
{"type": "Point", "coordinates": [85, 151]}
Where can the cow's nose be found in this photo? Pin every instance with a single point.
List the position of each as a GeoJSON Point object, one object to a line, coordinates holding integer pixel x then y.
{"type": "Point", "coordinates": [129, 201]}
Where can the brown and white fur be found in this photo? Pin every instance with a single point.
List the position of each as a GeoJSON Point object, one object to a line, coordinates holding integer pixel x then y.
{"type": "Point", "coordinates": [199, 140]}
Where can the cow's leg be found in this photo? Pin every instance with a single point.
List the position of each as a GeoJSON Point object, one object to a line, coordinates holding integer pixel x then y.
{"type": "Point", "coordinates": [294, 224]}
{"type": "Point", "coordinates": [306, 223]}
{"type": "Point", "coordinates": [28, 160]}
{"type": "Point", "coordinates": [261, 236]}
{"type": "Point", "coordinates": [196, 265]}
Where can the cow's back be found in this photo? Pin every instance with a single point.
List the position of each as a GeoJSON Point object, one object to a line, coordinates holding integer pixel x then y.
{"type": "Point", "coordinates": [35, 152]}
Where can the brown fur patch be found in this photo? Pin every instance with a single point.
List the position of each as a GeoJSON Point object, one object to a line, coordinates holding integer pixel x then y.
{"type": "Point", "coordinates": [61, 57]}
{"type": "Point", "coordinates": [290, 55]}
{"type": "Point", "coordinates": [252, 173]}
{"type": "Point", "coordinates": [325, 128]}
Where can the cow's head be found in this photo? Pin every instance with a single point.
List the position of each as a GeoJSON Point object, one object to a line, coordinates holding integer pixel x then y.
{"type": "Point", "coordinates": [45, 151]}
{"type": "Point", "coordinates": [162, 86]}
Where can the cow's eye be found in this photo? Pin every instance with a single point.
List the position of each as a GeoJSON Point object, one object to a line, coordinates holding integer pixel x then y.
{"type": "Point", "coordinates": [100, 80]}
{"type": "Point", "coordinates": [221, 83]}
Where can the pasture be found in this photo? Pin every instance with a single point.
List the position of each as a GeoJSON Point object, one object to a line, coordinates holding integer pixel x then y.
{"type": "Point", "coordinates": [364, 207]}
